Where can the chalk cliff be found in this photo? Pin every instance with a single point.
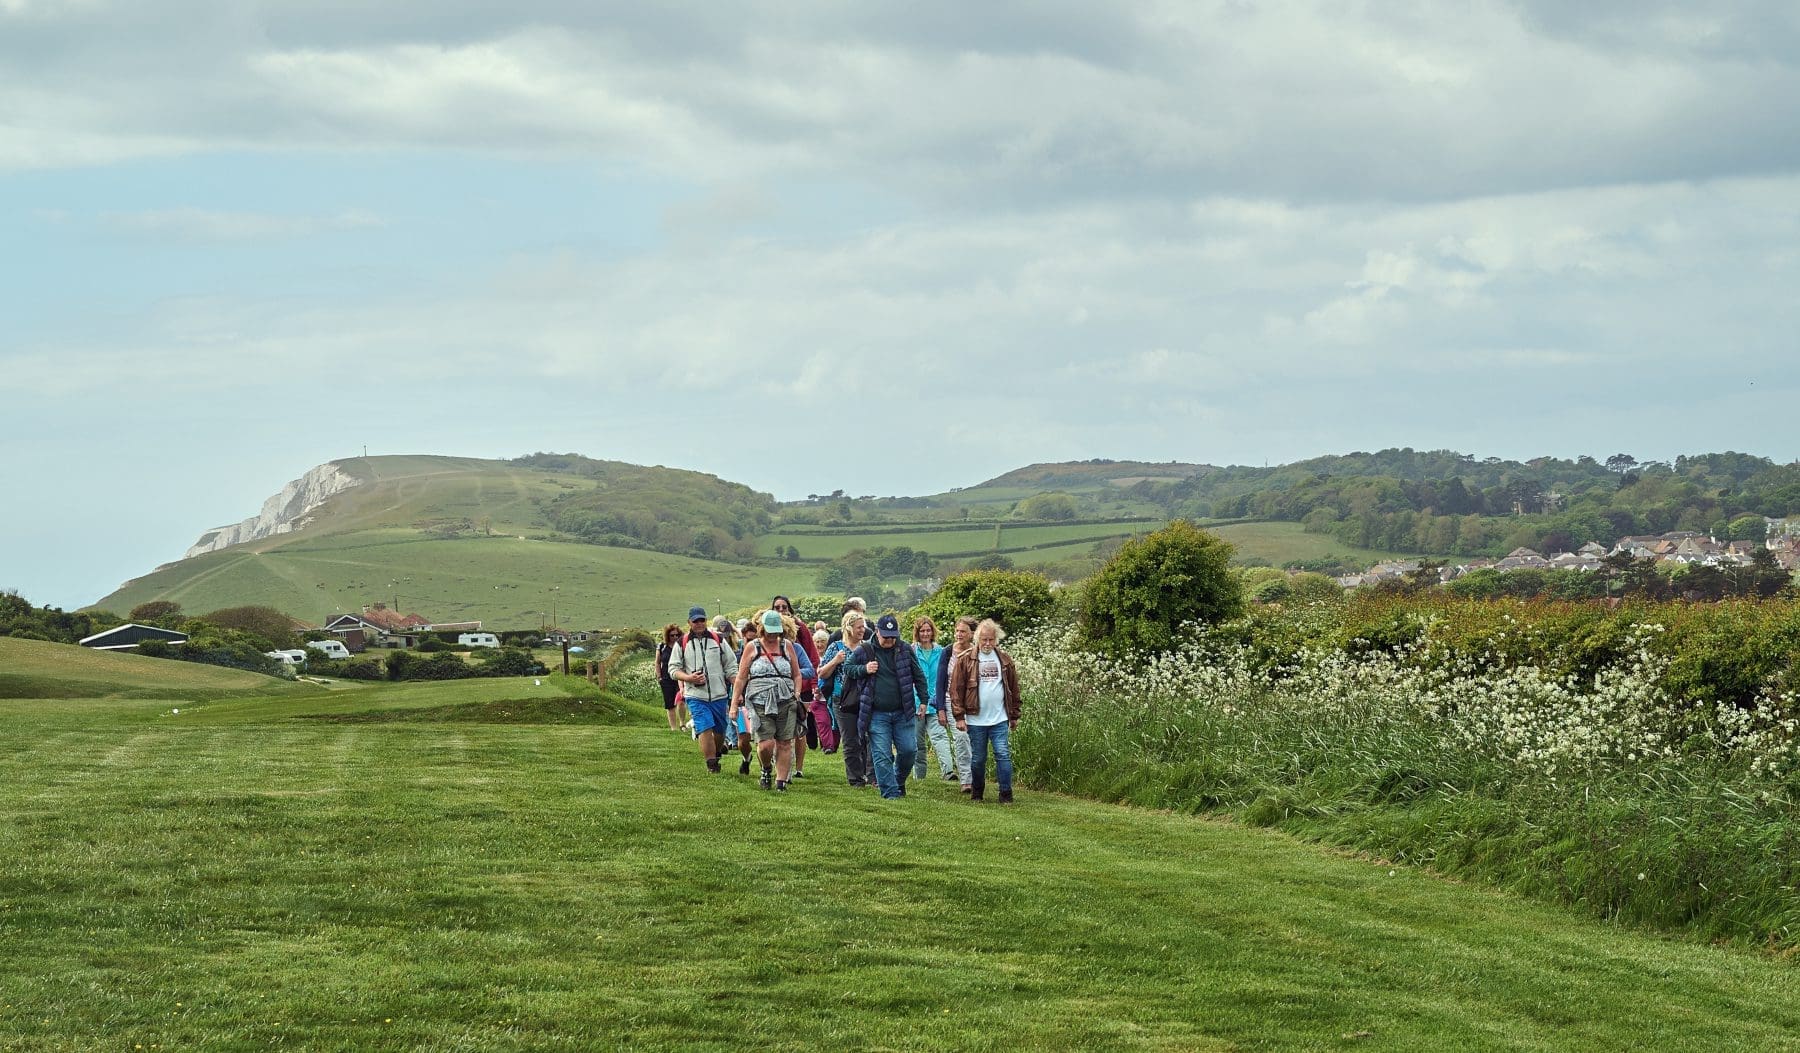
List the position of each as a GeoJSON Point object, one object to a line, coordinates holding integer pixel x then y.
{"type": "Point", "coordinates": [286, 511]}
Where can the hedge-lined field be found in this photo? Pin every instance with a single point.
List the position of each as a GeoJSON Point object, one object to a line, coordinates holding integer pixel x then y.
{"type": "Point", "coordinates": [1640, 763]}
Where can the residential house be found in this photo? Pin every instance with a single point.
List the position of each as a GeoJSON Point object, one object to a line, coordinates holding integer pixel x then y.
{"type": "Point", "coordinates": [1520, 558]}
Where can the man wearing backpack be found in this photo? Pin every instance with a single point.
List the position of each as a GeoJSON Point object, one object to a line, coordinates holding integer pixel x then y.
{"type": "Point", "coordinates": [705, 664]}
{"type": "Point", "coordinates": [894, 696]}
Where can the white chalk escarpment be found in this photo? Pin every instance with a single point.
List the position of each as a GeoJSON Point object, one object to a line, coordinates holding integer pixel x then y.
{"type": "Point", "coordinates": [287, 511]}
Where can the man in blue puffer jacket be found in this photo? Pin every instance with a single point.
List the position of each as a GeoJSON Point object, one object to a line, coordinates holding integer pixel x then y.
{"type": "Point", "coordinates": [890, 679]}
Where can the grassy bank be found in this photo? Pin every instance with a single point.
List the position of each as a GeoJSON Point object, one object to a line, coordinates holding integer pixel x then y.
{"type": "Point", "coordinates": [434, 866]}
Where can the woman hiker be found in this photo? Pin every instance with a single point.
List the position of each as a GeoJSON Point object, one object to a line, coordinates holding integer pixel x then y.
{"type": "Point", "coordinates": [768, 682]}
{"type": "Point", "coordinates": [984, 698]}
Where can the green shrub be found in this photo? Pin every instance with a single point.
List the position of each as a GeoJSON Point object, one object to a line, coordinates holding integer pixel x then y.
{"type": "Point", "coordinates": [1016, 599]}
{"type": "Point", "coordinates": [1156, 585]}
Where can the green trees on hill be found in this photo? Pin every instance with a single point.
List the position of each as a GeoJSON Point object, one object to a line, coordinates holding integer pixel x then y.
{"type": "Point", "coordinates": [667, 509]}
{"type": "Point", "coordinates": [1447, 503]}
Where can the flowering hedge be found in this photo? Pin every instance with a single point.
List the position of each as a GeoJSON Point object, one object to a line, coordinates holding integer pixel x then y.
{"type": "Point", "coordinates": [1640, 761]}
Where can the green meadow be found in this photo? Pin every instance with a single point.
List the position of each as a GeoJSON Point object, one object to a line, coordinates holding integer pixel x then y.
{"type": "Point", "coordinates": [508, 582]}
{"type": "Point", "coordinates": [1276, 543]}
{"type": "Point", "coordinates": [534, 864]}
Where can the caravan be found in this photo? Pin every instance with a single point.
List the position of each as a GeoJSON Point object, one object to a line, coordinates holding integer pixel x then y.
{"type": "Point", "coordinates": [477, 640]}
{"type": "Point", "coordinates": [330, 648]}
{"type": "Point", "coordinates": [296, 657]}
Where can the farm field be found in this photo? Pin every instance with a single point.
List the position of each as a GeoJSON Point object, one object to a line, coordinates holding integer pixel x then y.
{"type": "Point", "coordinates": [502, 581]}
{"type": "Point", "coordinates": [418, 866]}
{"type": "Point", "coordinates": [822, 543]}
{"type": "Point", "coordinates": [1278, 543]}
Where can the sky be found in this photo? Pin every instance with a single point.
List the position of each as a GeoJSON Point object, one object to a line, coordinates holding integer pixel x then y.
{"type": "Point", "coordinates": [242, 239]}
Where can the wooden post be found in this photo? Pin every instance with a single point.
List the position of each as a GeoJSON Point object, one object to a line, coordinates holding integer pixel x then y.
{"type": "Point", "coordinates": [565, 647]}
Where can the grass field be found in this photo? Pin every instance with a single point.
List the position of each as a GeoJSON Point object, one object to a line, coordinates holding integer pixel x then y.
{"type": "Point", "coordinates": [36, 669]}
{"type": "Point", "coordinates": [504, 582]}
{"type": "Point", "coordinates": [1278, 543]}
{"type": "Point", "coordinates": [414, 867]}
{"type": "Point", "coordinates": [821, 543]}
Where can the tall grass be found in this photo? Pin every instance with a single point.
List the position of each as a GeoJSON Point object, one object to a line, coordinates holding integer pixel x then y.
{"type": "Point", "coordinates": [1502, 756]}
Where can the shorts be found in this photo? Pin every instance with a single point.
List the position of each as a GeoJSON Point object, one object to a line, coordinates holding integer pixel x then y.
{"type": "Point", "coordinates": [670, 690]}
{"type": "Point", "coordinates": [709, 716]}
{"type": "Point", "coordinates": [782, 726]}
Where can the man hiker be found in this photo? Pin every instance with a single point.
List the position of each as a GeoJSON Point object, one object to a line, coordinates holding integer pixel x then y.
{"type": "Point", "coordinates": [705, 664]}
{"type": "Point", "coordinates": [894, 696]}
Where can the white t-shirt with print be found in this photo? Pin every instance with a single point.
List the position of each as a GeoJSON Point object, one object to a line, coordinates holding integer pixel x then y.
{"type": "Point", "coordinates": [993, 691]}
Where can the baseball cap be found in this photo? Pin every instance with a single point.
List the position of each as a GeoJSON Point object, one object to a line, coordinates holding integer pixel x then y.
{"type": "Point", "coordinates": [771, 621]}
{"type": "Point", "coordinates": [888, 628]}
{"type": "Point", "coordinates": [696, 612]}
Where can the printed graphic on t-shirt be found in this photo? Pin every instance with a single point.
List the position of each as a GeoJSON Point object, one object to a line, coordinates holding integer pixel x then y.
{"type": "Point", "coordinates": [990, 671]}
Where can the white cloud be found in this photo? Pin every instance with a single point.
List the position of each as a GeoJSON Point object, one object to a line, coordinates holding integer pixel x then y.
{"type": "Point", "coordinates": [206, 225]}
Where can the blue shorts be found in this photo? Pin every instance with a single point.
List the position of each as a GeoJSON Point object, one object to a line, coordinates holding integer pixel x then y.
{"type": "Point", "coordinates": [709, 716]}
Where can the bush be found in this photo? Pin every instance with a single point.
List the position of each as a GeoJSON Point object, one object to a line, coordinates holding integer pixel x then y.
{"type": "Point", "coordinates": [1156, 585]}
{"type": "Point", "coordinates": [353, 669]}
{"type": "Point", "coordinates": [1016, 599]}
{"type": "Point", "coordinates": [507, 661]}
{"type": "Point", "coordinates": [402, 665]}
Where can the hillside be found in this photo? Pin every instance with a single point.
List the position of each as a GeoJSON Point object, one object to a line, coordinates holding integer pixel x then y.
{"type": "Point", "coordinates": [38, 669]}
{"type": "Point", "coordinates": [459, 539]}
{"type": "Point", "coordinates": [592, 543]}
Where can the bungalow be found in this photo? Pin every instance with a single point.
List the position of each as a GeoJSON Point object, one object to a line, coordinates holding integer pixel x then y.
{"type": "Point", "coordinates": [1520, 558]}
{"type": "Point", "coordinates": [126, 637]}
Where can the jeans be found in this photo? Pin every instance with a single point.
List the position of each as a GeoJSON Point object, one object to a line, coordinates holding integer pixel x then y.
{"type": "Point", "coordinates": [892, 741]}
{"type": "Point", "coordinates": [855, 750]}
{"type": "Point", "coordinates": [979, 737]}
{"type": "Point", "coordinates": [928, 728]}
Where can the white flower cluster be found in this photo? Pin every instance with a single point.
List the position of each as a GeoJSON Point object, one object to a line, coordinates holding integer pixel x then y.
{"type": "Point", "coordinates": [1415, 695]}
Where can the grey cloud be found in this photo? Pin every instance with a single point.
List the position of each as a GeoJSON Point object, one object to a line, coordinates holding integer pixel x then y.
{"type": "Point", "coordinates": [1010, 105]}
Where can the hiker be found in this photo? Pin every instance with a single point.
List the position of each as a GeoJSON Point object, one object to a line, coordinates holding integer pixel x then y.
{"type": "Point", "coordinates": [768, 681]}
{"type": "Point", "coordinates": [671, 689]}
{"type": "Point", "coordinates": [931, 723]}
{"type": "Point", "coordinates": [704, 663]}
{"type": "Point", "coordinates": [846, 701]}
{"type": "Point", "coordinates": [820, 715]}
{"type": "Point", "coordinates": [887, 676]}
{"type": "Point", "coordinates": [854, 603]}
{"type": "Point", "coordinates": [797, 631]}
{"type": "Point", "coordinates": [984, 699]}
{"type": "Point", "coordinates": [962, 642]}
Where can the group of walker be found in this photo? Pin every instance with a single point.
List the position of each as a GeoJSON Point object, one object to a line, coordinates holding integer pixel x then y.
{"type": "Point", "coordinates": [789, 686]}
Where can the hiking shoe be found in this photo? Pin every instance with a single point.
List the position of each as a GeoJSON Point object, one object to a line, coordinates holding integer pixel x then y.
{"type": "Point", "coordinates": [1006, 798]}
{"type": "Point", "coordinates": [949, 776]}
{"type": "Point", "coordinates": [966, 788]}
{"type": "Point", "coordinates": [768, 776]}
{"type": "Point", "coordinates": [798, 774]}
{"type": "Point", "coordinates": [781, 787]}
{"type": "Point", "coordinates": [744, 768]}
{"type": "Point", "coordinates": [712, 765]}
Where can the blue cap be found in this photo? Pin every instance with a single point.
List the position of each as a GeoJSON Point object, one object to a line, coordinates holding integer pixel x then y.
{"type": "Point", "coordinates": [888, 628]}
{"type": "Point", "coordinates": [771, 621]}
{"type": "Point", "coordinates": [696, 612]}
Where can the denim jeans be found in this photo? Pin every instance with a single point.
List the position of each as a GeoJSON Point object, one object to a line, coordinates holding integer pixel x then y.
{"type": "Point", "coordinates": [979, 737]}
{"type": "Point", "coordinates": [929, 730]}
{"type": "Point", "coordinates": [892, 743]}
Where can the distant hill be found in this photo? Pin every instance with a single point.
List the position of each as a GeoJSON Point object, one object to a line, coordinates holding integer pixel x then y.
{"type": "Point", "coordinates": [502, 542]}
{"type": "Point", "coordinates": [1066, 474]}
{"type": "Point", "coordinates": [593, 543]}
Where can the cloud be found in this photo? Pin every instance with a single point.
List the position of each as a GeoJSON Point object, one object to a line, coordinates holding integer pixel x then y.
{"type": "Point", "coordinates": [1016, 105]}
{"type": "Point", "coordinates": [204, 225]}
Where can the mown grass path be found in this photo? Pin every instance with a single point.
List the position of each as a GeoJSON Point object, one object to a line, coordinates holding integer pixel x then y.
{"type": "Point", "coordinates": [243, 876]}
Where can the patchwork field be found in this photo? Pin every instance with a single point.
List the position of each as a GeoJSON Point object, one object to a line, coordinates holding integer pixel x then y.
{"type": "Point", "coordinates": [1278, 543]}
{"type": "Point", "coordinates": [423, 867]}
{"type": "Point", "coordinates": [827, 543]}
{"type": "Point", "coordinates": [502, 581]}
